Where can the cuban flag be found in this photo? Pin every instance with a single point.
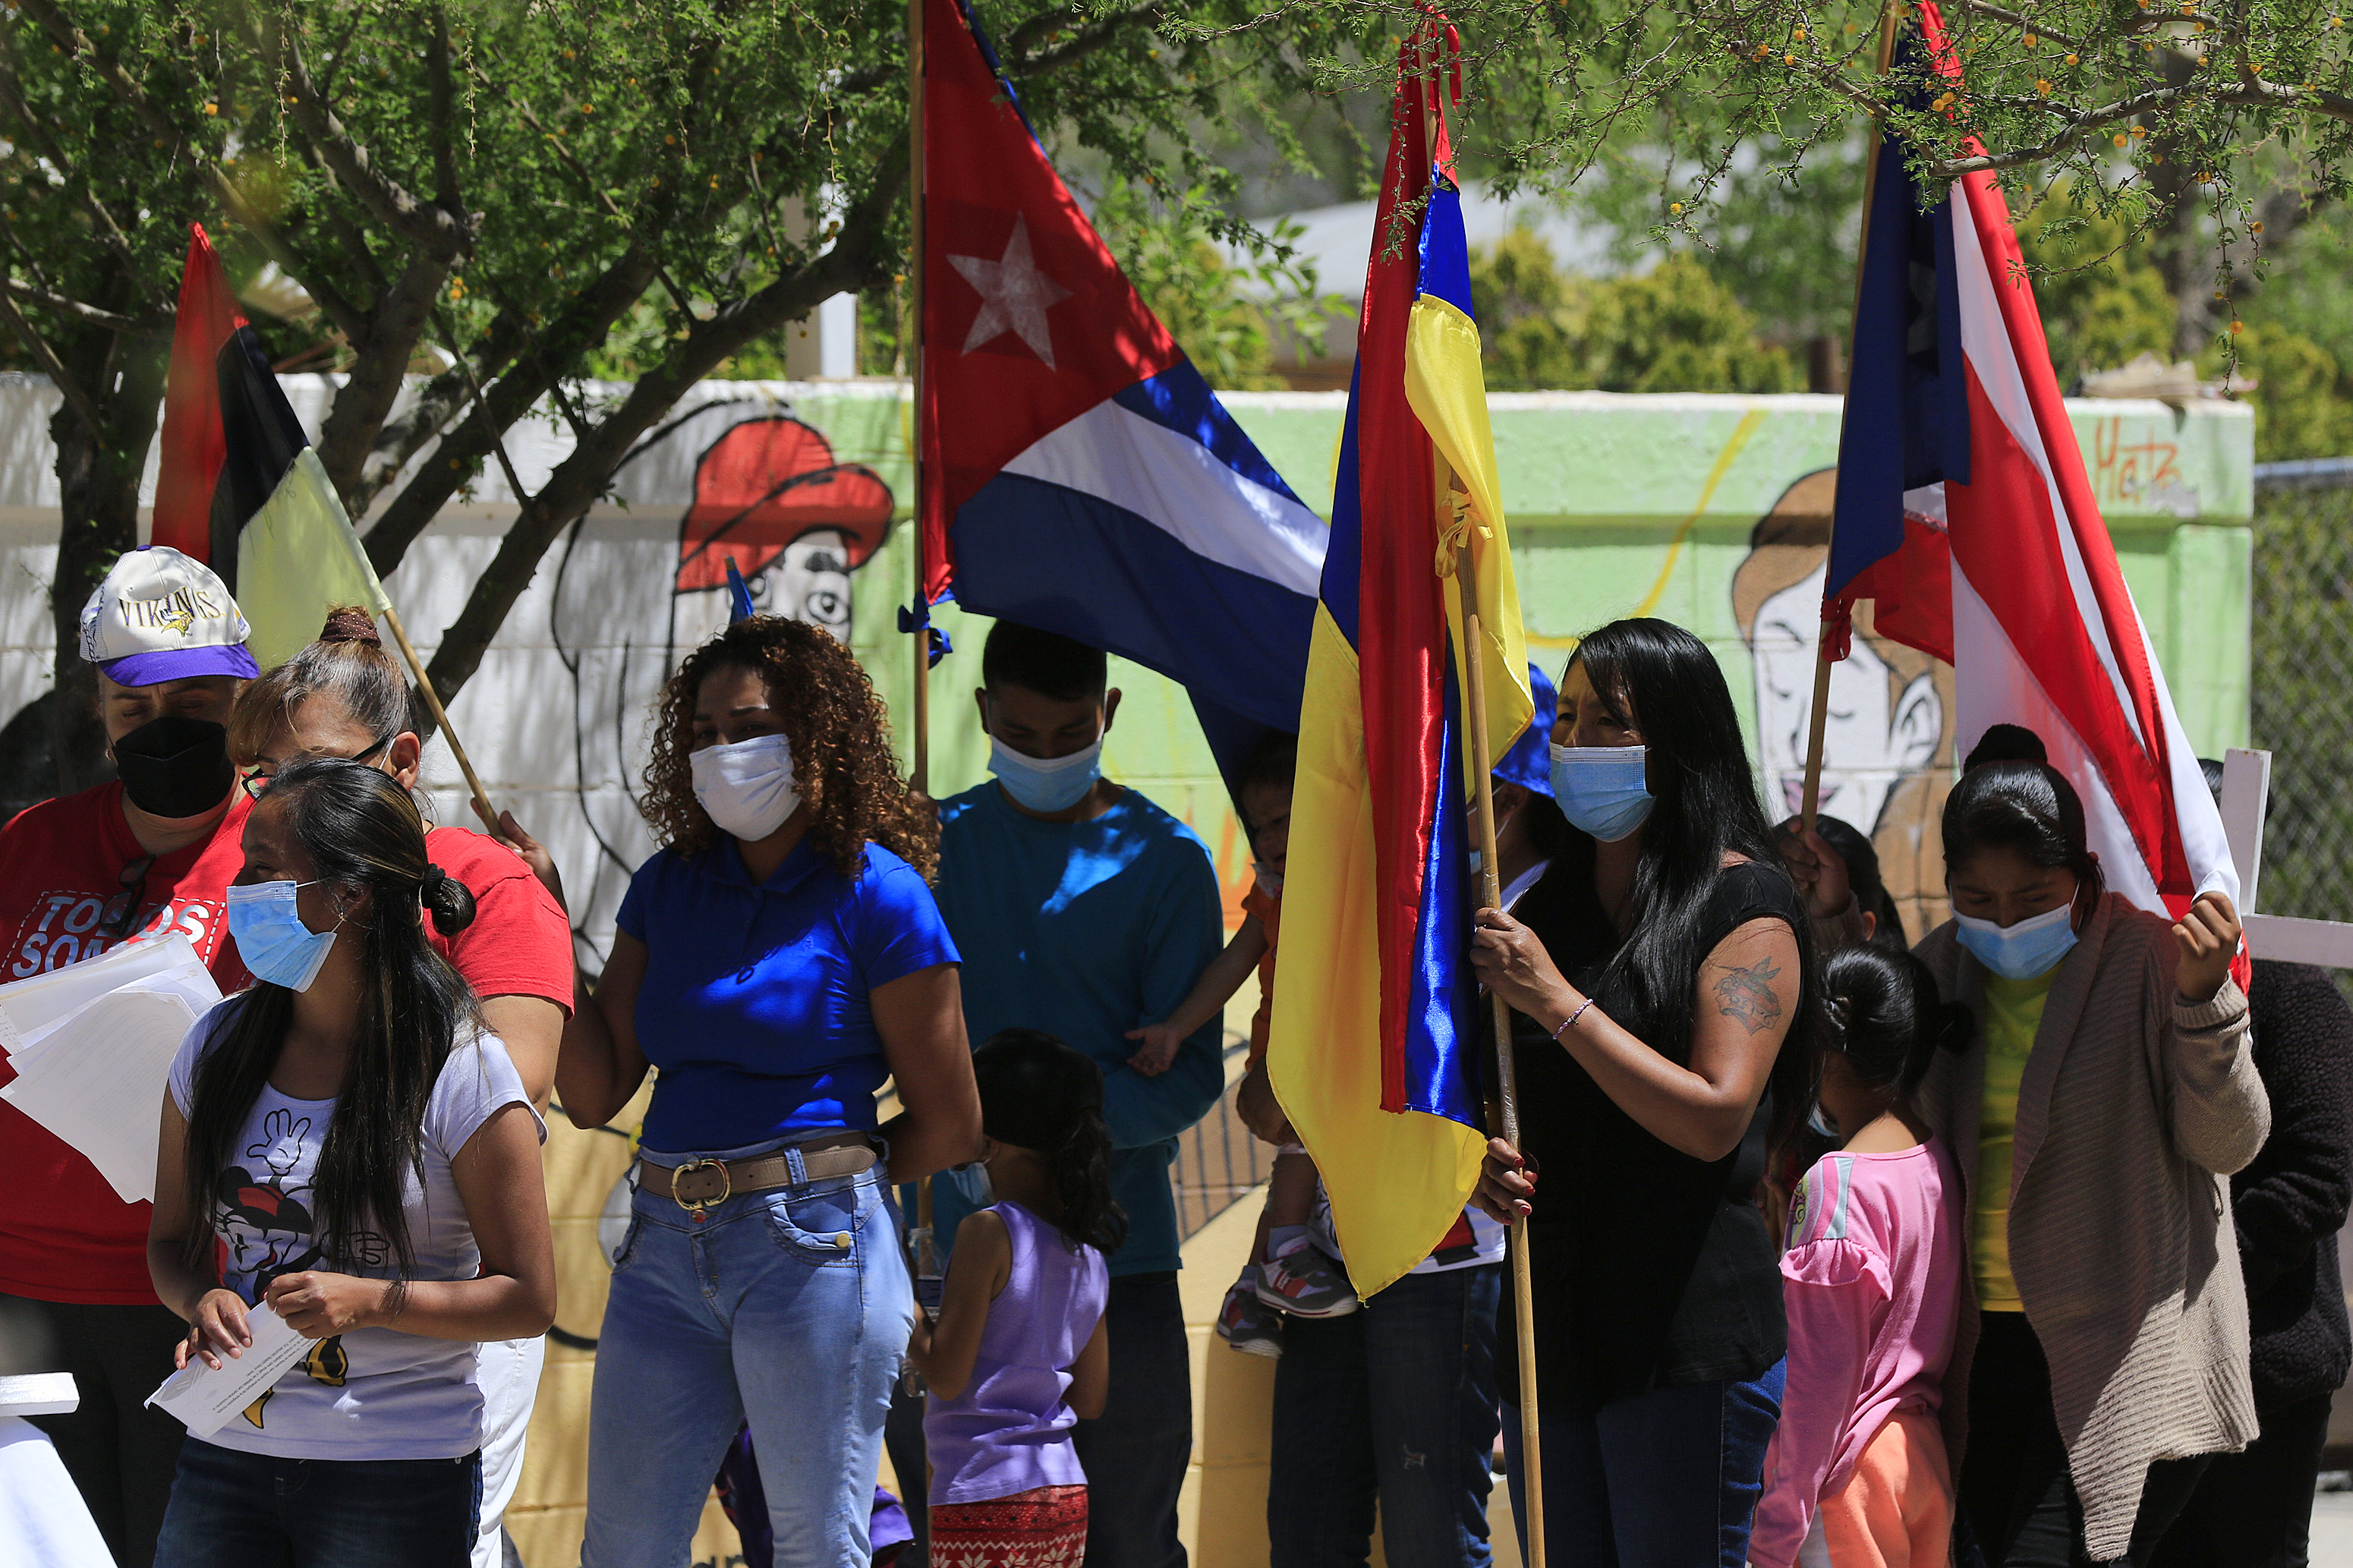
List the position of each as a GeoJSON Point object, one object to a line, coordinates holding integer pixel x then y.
{"type": "Point", "coordinates": [1080, 475]}
{"type": "Point", "coordinates": [1965, 512]}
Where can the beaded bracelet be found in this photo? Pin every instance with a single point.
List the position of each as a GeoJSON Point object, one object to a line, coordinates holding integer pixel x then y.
{"type": "Point", "coordinates": [1572, 1018]}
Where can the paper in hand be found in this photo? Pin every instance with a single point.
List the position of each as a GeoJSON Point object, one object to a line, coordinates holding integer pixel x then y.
{"type": "Point", "coordinates": [30, 1008]}
{"type": "Point", "coordinates": [91, 1048]}
{"type": "Point", "coordinates": [205, 1399]}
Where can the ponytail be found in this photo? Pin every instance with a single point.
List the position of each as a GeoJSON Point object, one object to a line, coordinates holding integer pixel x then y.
{"type": "Point", "coordinates": [1091, 1215]}
{"type": "Point", "coordinates": [1886, 1018]}
{"type": "Point", "coordinates": [448, 900]}
{"type": "Point", "coordinates": [1039, 1094]}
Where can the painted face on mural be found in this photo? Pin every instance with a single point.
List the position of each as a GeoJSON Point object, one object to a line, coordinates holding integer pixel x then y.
{"type": "Point", "coordinates": [808, 580]}
{"type": "Point", "coordinates": [1879, 728]}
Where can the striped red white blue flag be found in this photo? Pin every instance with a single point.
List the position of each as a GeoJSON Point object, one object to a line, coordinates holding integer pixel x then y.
{"type": "Point", "coordinates": [1964, 510]}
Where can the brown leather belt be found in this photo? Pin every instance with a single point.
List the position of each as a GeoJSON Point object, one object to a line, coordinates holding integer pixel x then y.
{"type": "Point", "coordinates": [698, 1185]}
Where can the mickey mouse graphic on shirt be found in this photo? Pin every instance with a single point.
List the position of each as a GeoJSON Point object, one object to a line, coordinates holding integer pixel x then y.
{"type": "Point", "coordinates": [269, 1228]}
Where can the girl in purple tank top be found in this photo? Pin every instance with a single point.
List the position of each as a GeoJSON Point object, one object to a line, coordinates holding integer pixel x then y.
{"type": "Point", "coordinates": [1018, 1356]}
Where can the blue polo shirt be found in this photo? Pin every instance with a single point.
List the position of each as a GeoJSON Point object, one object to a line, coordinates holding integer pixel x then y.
{"type": "Point", "coordinates": [756, 1002]}
{"type": "Point", "coordinates": [1087, 930]}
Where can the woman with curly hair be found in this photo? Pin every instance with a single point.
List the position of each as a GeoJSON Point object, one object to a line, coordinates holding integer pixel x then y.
{"type": "Point", "coordinates": [777, 959]}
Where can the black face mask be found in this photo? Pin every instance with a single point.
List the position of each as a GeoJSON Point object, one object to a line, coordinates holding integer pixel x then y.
{"type": "Point", "coordinates": [175, 767]}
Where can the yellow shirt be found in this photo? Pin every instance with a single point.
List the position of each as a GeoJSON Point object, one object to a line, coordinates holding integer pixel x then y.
{"type": "Point", "coordinates": [2013, 1012]}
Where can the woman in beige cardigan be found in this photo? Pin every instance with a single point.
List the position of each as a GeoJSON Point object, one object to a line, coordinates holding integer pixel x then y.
{"type": "Point", "coordinates": [2106, 1094]}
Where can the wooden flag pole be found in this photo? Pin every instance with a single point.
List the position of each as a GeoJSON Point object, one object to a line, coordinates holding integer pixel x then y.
{"type": "Point", "coordinates": [1890, 14]}
{"type": "Point", "coordinates": [1507, 1089]}
{"type": "Point", "coordinates": [926, 1250]}
{"type": "Point", "coordinates": [441, 718]}
{"type": "Point", "coordinates": [1449, 519]}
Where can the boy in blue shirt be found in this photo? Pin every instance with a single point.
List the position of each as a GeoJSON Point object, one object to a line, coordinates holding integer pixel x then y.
{"type": "Point", "coordinates": [1084, 909]}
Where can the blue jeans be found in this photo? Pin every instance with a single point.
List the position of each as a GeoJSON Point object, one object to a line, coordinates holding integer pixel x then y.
{"type": "Point", "coordinates": [1396, 1403]}
{"type": "Point", "coordinates": [1665, 1480]}
{"type": "Point", "coordinates": [230, 1510]}
{"type": "Point", "coordinates": [789, 1309]}
{"type": "Point", "coordinates": [1136, 1453]}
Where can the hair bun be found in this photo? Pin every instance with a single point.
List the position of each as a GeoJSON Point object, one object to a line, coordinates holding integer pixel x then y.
{"type": "Point", "coordinates": [450, 900]}
{"type": "Point", "coordinates": [349, 623]}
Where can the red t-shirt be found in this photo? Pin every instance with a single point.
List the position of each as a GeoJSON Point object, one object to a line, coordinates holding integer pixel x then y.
{"type": "Point", "coordinates": [64, 1234]}
{"type": "Point", "coordinates": [519, 943]}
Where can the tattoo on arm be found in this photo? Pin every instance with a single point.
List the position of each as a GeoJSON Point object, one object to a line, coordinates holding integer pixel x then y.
{"type": "Point", "coordinates": [1748, 995]}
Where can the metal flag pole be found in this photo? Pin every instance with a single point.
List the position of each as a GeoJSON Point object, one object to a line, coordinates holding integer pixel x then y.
{"type": "Point", "coordinates": [919, 775]}
{"type": "Point", "coordinates": [925, 1250]}
{"type": "Point", "coordinates": [1448, 516]}
{"type": "Point", "coordinates": [1890, 14]}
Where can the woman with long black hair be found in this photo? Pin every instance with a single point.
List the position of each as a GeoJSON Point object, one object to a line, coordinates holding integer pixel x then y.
{"type": "Point", "coordinates": [344, 1143]}
{"type": "Point", "coordinates": [1666, 1028]}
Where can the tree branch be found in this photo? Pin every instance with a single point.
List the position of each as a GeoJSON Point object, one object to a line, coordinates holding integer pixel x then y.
{"type": "Point", "coordinates": [143, 326]}
{"type": "Point", "coordinates": [857, 259]}
{"type": "Point", "coordinates": [446, 234]}
{"type": "Point", "coordinates": [445, 152]}
{"type": "Point", "coordinates": [583, 324]}
{"type": "Point", "coordinates": [77, 397]}
{"type": "Point", "coordinates": [35, 129]}
{"type": "Point", "coordinates": [382, 353]}
{"type": "Point", "coordinates": [1086, 42]}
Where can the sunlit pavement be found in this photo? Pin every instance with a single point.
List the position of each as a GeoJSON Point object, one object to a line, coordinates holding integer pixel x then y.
{"type": "Point", "coordinates": [2332, 1531]}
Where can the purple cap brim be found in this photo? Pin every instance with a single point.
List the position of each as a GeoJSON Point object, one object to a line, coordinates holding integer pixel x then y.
{"type": "Point", "coordinates": [182, 664]}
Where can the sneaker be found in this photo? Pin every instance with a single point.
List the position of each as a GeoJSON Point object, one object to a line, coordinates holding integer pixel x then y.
{"type": "Point", "coordinates": [1307, 1284]}
{"type": "Point", "coordinates": [1246, 1323]}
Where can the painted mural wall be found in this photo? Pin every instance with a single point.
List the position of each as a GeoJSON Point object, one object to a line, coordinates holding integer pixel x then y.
{"type": "Point", "coordinates": [1710, 510]}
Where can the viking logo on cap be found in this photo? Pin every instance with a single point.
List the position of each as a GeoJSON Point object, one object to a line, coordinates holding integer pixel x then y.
{"type": "Point", "coordinates": [175, 611]}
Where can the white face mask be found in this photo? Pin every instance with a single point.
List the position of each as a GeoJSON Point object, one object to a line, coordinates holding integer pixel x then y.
{"type": "Point", "coordinates": [747, 787]}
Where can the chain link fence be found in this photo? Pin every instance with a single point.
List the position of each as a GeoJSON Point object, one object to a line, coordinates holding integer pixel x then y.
{"type": "Point", "coordinates": [2303, 683]}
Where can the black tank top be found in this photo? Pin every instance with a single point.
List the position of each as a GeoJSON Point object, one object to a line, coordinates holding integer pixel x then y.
{"type": "Point", "coordinates": [1651, 1269]}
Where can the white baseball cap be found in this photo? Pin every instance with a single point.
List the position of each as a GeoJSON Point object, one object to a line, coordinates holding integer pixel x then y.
{"type": "Point", "coordinates": [161, 615]}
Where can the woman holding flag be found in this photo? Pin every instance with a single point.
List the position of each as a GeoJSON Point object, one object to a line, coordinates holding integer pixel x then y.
{"type": "Point", "coordinates": [2105, 1356]}
{"type": "Point", "coordinates": [1665, 1028]}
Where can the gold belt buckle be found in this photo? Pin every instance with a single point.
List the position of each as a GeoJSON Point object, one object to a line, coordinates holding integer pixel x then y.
{"type": "Point", "coordinates": [707, 1196]}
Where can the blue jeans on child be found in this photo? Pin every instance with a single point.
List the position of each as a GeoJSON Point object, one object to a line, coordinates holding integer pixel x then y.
{"type": "Point", "coordinates": [1395, 1402]}
{"type": "Point", "coordinates": [233, 1510]}
{"type": "Point", "coordinates": [789, 1309]}
{"type": "Point", "coordinates": [1665, 1480]}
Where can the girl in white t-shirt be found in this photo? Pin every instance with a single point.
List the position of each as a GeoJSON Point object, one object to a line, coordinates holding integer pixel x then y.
{"type": "Point", "coordinates": [344, 1145]}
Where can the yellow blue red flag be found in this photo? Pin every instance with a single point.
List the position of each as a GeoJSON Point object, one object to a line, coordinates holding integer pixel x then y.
{"type": "Point", "coordinates": [1373, 1052]}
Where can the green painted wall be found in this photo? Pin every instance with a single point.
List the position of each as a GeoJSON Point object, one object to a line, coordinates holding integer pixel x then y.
{"type": "Point", "coordinates": [1625, 503]}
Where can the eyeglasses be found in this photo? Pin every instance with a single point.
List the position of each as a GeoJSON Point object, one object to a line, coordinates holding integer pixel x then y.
{"type": "Point", "coordinates": [119, 923]}
{"type": "Point", "coordinates": [257, 783]}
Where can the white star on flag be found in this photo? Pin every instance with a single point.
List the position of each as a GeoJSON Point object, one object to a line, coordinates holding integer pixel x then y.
{"type": "Point", "coordinates": [1014, 296]}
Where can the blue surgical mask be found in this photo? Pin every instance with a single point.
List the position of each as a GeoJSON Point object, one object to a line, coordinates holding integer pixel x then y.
{"type": "Point", "coordinates": [272, 938]}
{"type": "Point", "coordinates": [1602, 789]}
{"type": "Point", "coordinates": [2025, 951]}
{"type": "Point", "coordinates": [973, 1183]}
{"type": "Point", "coordinates": [1819, 1121]}
{"type": "Point", "coordinates": [1046, 783]}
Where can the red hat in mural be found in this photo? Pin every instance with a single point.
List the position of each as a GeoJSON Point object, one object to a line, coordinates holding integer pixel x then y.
{"type": "Point", "coordinates": [763, 485]}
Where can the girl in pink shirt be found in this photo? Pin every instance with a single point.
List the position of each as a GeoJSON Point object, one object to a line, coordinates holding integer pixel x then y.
{"type": "Point", "coordinates": [1857, 1475]}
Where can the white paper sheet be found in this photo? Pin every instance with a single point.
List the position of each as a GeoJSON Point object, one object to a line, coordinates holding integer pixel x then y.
{"type": "Point", "coordinates": [97, 1081]}
{"type": "Point", "coordinates": [204, 1400]}
{"type": "Point", "coordinates": [28, 1007]}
